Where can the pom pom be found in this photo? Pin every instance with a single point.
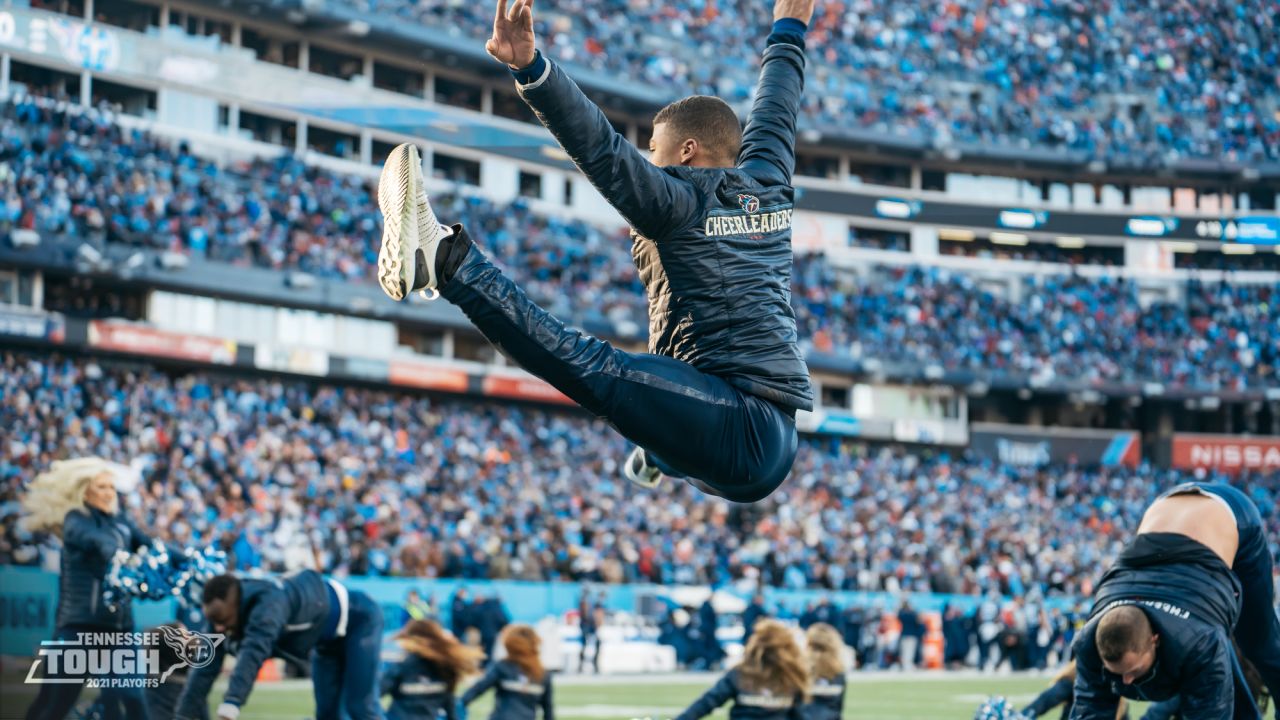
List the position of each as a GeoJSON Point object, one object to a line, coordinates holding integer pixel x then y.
{"type": "Point", "coordinates": [998, 708]}
{"type": "Point", "coordinates": [153, 573]}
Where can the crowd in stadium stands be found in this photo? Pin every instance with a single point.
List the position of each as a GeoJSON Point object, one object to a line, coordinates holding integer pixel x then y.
{"type": "Point", "coordinates": [62, 172]}
{"type": "Point", "coordinates": [283, 474]}
{"type": "Point", "coordinates": [1117, 80]}
{"type": "Point", "coordinates": [1024, 631]}
{"type": "Point", "coordinates": [1059, 327]}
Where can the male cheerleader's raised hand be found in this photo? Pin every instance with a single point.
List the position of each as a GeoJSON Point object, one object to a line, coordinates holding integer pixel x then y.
{"type": "Point", "coordinates": [801, 10]}
{"type": "Point", "coordinates": [513, 39]}
{"type": "Point", "coordinates": [514, 42]}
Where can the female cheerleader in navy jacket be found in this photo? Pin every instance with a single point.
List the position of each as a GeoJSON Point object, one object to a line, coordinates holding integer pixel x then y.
{"type": "Point", "coordinates": [423, 684]}
{"type": "Point", "coordinates": [77, 499]}
{"type": "Point", "coordinates": [521, 684]}
{"type": "Point", "coordinates": [771, 682]}
{"type": "Point", "coordinates": [827, 669]}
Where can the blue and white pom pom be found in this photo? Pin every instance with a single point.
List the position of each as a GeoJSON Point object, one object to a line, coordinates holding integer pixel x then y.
{"type": "Point", "coordinates": [154, 573]}
{"type": "Point", "coordinates": [998, 708]}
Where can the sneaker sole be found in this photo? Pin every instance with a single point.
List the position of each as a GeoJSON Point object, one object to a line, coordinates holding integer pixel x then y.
{"type": "Point", "coordinates": [398, 189]}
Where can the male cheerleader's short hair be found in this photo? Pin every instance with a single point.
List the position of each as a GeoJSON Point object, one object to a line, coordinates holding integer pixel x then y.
{"type": "Point", "coordinates": [707, 119]}
{"type": "Point", "coordinates": [1122, 630]}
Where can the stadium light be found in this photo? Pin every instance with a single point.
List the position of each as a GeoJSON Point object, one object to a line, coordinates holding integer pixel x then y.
{"type": "Point", "coordinates": [1238, 249]}
{"type": "Point", "coordinates": [299, 280]}
{"type": "Point", "coordinates": [172, 260]}
{"type": "Point", "coordinates": [956, 234]}
{"type": "Point", "coordinates": [89, 254]}
{"type": "Point", "coordinates": [23, 238]}
{"type": "Point", "coordinates": [1182, 247]}
{"type": "Point", "coordinates": [1007, 238]}
{"type": "Point", "coordinates": [1070, 242]}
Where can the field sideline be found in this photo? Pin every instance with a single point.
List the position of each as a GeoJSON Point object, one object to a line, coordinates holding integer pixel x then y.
{"type": "Point", "coordinates": [871, 696]}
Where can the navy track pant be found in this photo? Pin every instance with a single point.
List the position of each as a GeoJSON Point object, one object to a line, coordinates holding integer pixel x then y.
{"type": "Point", "coordinates": [723, 440]}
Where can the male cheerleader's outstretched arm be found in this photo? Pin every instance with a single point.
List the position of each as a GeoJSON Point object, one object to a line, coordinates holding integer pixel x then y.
{"type": "Point", "coordinates": [652, 201]}
{"type": "Point", "coordinates": [194, 703]}
{"type": "Point", "coordinates": [1208, 690]}
{"type": "Point", "coordinates": [1093, 697]}
{"type": "Point", "coordinates": [261, 629]}
{"type": "Point", "coordinates": [769, 141]}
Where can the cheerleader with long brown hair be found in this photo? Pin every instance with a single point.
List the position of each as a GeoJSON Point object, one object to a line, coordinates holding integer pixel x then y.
{"type": "Point", "coordinates": [424, 683]}
{"type": "Point", "coordinates": [827, 669]}
{"type": "Point", "coordinates": [520, 682]}
{"type": "Point", "coordinates": [771, 682]}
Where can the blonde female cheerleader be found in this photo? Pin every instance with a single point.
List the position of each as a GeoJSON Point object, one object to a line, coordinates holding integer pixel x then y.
{"type": "Point", "coordinates": [77, 499]}
{"type": "Point", "coordinates": [423, 684]}
{"type": "Point", "coordinates": [520, 682]}
{"type": "Point", "coordinates": [771, 682]}
{"type": "Point", "coordinates": [827, 669]}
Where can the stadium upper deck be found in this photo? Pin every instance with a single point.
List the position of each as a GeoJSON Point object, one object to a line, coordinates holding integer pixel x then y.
{"type": "Point", "coordinates": [1045, 92]}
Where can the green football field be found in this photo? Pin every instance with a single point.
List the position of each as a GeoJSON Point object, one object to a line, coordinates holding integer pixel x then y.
{"type": "Point", "coordinates": [870, 697]}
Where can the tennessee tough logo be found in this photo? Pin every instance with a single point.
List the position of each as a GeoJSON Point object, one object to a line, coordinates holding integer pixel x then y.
{"type": "Point", "coordinates": [749, 203]}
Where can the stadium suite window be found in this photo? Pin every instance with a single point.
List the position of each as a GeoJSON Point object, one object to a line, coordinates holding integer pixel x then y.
{"type": "Point", "coordinates": [512, 107]}
{"type": "Point", "coordinates": [382, 150]}
{"type": "Point", "coordinates": [135, 101]}
{"type": "Point", "coordinates": [82, 296]}
{"type": "Point", "coordinates": [8, 288]}
{"type": "Point", "coordinates": [820, 166]}
{"type": "Point", "coordinates": [323, 61]}
{"type": "Point", "coordinates": [879, 239]}
{"type": "Point", "coordinates": [423, 342]}
{"type": "Point", "coordinates": [65, 7]}
{"type": "Point", "coordinates": [530, 185]}
{"type": "Point", "coordinates": [397, 79]}
{"type": "Point", "coordinates": [457, 93]}
{"type": "Point", "coordinates": [332, 142]}
{"type": "Point", "coordinates": [44, 82]}
{"type": "Point", "coordinates": [880, 174]}
{"type": "Point", "coordinates": [269, 49]}
{"type": "Point", "coordinates": [459, 170]}
{"type": "Point", "coordinates": [474, 348]}
{"type": "Point", "coordinates": [199, 25]}
{"type": "Point", "coordinates": [127, 14]}
{"type": "Point", "coordinates": [264, 128]}
{"type": "Point", "coordinates": [835, 397]}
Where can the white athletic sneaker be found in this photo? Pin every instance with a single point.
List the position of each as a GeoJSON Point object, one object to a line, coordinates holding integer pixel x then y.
{"type": "Point", "coordinates": [408, 225]}
{"type": "Point", "coordinates": [638, 470]}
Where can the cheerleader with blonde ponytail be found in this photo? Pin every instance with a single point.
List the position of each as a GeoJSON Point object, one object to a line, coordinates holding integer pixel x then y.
{"type": "Point", "coordinates": [77, 500]}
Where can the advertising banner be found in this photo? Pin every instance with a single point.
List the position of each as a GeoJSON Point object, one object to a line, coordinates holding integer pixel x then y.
{"type": "Point", "coordinates": [33, 324]}
{"type": "Point", "coordinates": [1023, 445]}
{"type": "Point", "coordinates": [428, 376]}
{"type": "Point", "coordinates": [143, 340]}
{"type": "Point", "coordinates": [1228, 453]}
{"type": "Point", "coordinates": [517, 388]}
